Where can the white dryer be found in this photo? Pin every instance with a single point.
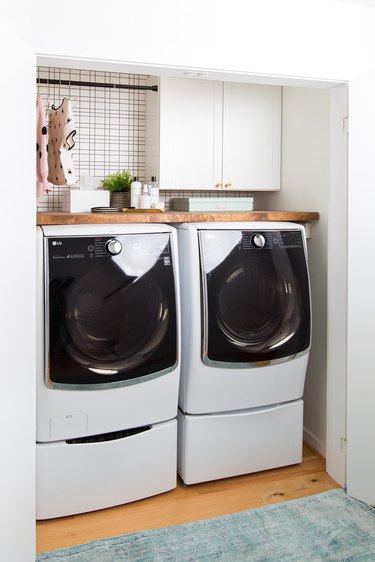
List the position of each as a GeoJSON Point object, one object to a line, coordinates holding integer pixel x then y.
{"type": "Point", "coordinates": [108, 365]}
{"type": "Point", "coordinates": [246, 325]}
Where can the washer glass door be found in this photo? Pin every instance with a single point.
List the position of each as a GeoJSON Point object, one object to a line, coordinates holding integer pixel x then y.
{"type": "Point", "coordinates": [110, 309]}
{"type": "Point", "coordinates": [255, 295]}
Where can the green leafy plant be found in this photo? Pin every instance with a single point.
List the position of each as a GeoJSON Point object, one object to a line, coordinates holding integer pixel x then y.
{"type": "Point", "coordinates": [118, 181]}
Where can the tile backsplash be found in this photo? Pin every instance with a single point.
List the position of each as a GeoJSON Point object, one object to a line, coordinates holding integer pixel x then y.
{"type": "Point", "coordinates": [111, 128]}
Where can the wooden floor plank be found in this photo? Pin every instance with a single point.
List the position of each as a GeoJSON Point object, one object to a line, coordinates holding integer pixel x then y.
{"type": "Point", "coordinates": [290, 489]}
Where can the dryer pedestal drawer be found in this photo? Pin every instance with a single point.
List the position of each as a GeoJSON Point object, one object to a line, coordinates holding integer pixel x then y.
{"type": "Point", "coordinates": [80, 477]}
{"type": "Point", "coordinates": [217, 446]}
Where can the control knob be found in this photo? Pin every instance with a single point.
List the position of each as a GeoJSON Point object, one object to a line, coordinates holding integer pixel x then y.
{"type": "Point", "coordinates": [113, 246]}
{"type": "Point", "coordinates": [258, 241]}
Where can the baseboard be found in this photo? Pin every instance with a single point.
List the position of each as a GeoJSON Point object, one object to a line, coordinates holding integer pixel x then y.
{"type": "Point", "coordinates": [315, 443]}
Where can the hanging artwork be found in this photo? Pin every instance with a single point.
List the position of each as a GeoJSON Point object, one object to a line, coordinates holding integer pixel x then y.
{"type": "Point", "coordinates": [61, 132]}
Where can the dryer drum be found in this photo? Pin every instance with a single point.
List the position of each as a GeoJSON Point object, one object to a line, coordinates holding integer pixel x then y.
{"type": "Point", "coordinates": [256, 306]}
{"type": "Point", "coordinates": [259, 310]}
{"type": "Point", "coordinates": [116, 325]}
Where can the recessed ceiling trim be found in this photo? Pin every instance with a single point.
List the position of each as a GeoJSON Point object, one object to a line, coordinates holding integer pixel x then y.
{"type": "Point", "coordinates": [178, 71]}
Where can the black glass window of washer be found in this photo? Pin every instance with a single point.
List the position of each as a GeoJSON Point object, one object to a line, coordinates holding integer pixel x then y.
{"type": "Point", "coordinates": [257, 304]}
{"type": "Point", "coordinates": [111, 318]}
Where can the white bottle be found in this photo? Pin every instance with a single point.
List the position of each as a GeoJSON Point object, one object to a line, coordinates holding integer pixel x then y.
{"type": "Point", "coordinates": [135, 193]}
{"type": "Point", "coordinates": [145, 198]}
{"type": "Point", "coordinates": [154, 193]}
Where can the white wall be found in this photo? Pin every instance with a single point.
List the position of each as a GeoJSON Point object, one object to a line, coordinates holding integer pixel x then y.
{"type": "Point", "coordinates": [320, 38]}
{"type": "Point", "coordinates": [305, 185]}
{"type": "Point", "coordinates": [337, 286]}
{"type": "Point", "coordinates": [361, 293]}
{"type": "Point", "coordinates": [17, 289]}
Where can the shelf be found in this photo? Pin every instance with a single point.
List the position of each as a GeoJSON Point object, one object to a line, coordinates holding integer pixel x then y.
{"type": "Point", "coordinates": [44, 218]}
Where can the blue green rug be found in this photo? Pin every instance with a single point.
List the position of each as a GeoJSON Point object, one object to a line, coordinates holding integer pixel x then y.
{"type": "Point", "coordinates": [330, 526]}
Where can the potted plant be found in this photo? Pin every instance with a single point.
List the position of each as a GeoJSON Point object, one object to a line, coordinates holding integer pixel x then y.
{"type": "Point", "coordinates": [118, 184]}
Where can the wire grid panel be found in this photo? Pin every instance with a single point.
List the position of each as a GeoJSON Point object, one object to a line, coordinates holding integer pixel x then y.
{"type": "Point", "coordinates": [110, 124]}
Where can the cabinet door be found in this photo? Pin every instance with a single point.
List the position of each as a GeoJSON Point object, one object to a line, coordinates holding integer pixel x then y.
{"type": "Point", "coordinates": [190, 133]}
{"type": "Point", "coordinates": [251, 136]}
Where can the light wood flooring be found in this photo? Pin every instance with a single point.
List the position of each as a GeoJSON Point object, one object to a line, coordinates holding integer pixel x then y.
{"type": "Point", "coordinates": [190, 503]}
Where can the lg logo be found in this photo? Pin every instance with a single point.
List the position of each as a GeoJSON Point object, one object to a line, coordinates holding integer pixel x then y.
{"type": "Point", "coordinates": [56, 243]}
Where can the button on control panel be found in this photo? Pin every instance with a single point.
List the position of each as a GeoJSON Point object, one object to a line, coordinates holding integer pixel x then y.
{"type": "Point", "coordinates": [258, 240]}
{"type": "Point", "coordinates": [113, 246]}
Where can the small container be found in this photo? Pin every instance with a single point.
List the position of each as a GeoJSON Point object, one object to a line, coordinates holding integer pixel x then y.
{"type": "Point", "coordinates": [81, 201]}
{"type": "Point", "coordinates": [145, 198]}
{"type": "Point", "coordinates": [135, 193]}
{"type": "Point", "coordinates": [154, 193]}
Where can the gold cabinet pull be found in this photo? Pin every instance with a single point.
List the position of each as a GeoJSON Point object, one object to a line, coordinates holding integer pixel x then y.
{"type": "Point", "coordinates": [219, 185]}
{"type": "Point", "coordinates": [227, 185]}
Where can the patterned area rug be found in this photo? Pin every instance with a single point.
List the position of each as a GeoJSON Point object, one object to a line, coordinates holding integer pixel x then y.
{"type": "Point", "coordinates": [330, 526]}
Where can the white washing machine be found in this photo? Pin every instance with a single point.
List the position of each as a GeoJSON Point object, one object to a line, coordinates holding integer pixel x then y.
{"type": "Point", "coordinates": [246, 325]}
{"type": "Point", "coordinates": [108, 365]}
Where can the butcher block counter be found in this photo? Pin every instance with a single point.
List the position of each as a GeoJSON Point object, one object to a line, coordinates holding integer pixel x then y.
{"type": "Point", "coordinates": [45, 218]}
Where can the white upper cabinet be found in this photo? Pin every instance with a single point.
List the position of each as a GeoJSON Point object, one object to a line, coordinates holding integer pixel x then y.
{"type": "Point", "coordinates": [251, 136]}
{"type": "Point", "coordinates": [213, 135]}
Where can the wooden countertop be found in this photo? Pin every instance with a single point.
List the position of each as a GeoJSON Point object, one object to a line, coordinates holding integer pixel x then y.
{"type": "Point", "coordinates": [43, 218]}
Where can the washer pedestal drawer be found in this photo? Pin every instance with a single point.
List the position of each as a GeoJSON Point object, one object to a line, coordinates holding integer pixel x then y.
{"type": "Point", "coordinates": [81, 477]}
{"type": "Point", "coordinates": [214, 446]}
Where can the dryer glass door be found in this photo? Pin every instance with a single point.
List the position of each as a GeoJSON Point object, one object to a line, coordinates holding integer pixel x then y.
{"type": "Point", "coordinates": [255, 296]}
{"type": "Point", "coordinates": [110, 309]}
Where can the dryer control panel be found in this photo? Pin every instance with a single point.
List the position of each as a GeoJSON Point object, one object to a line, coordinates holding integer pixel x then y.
{"type": "Point", "coordinates": [271, 239]}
